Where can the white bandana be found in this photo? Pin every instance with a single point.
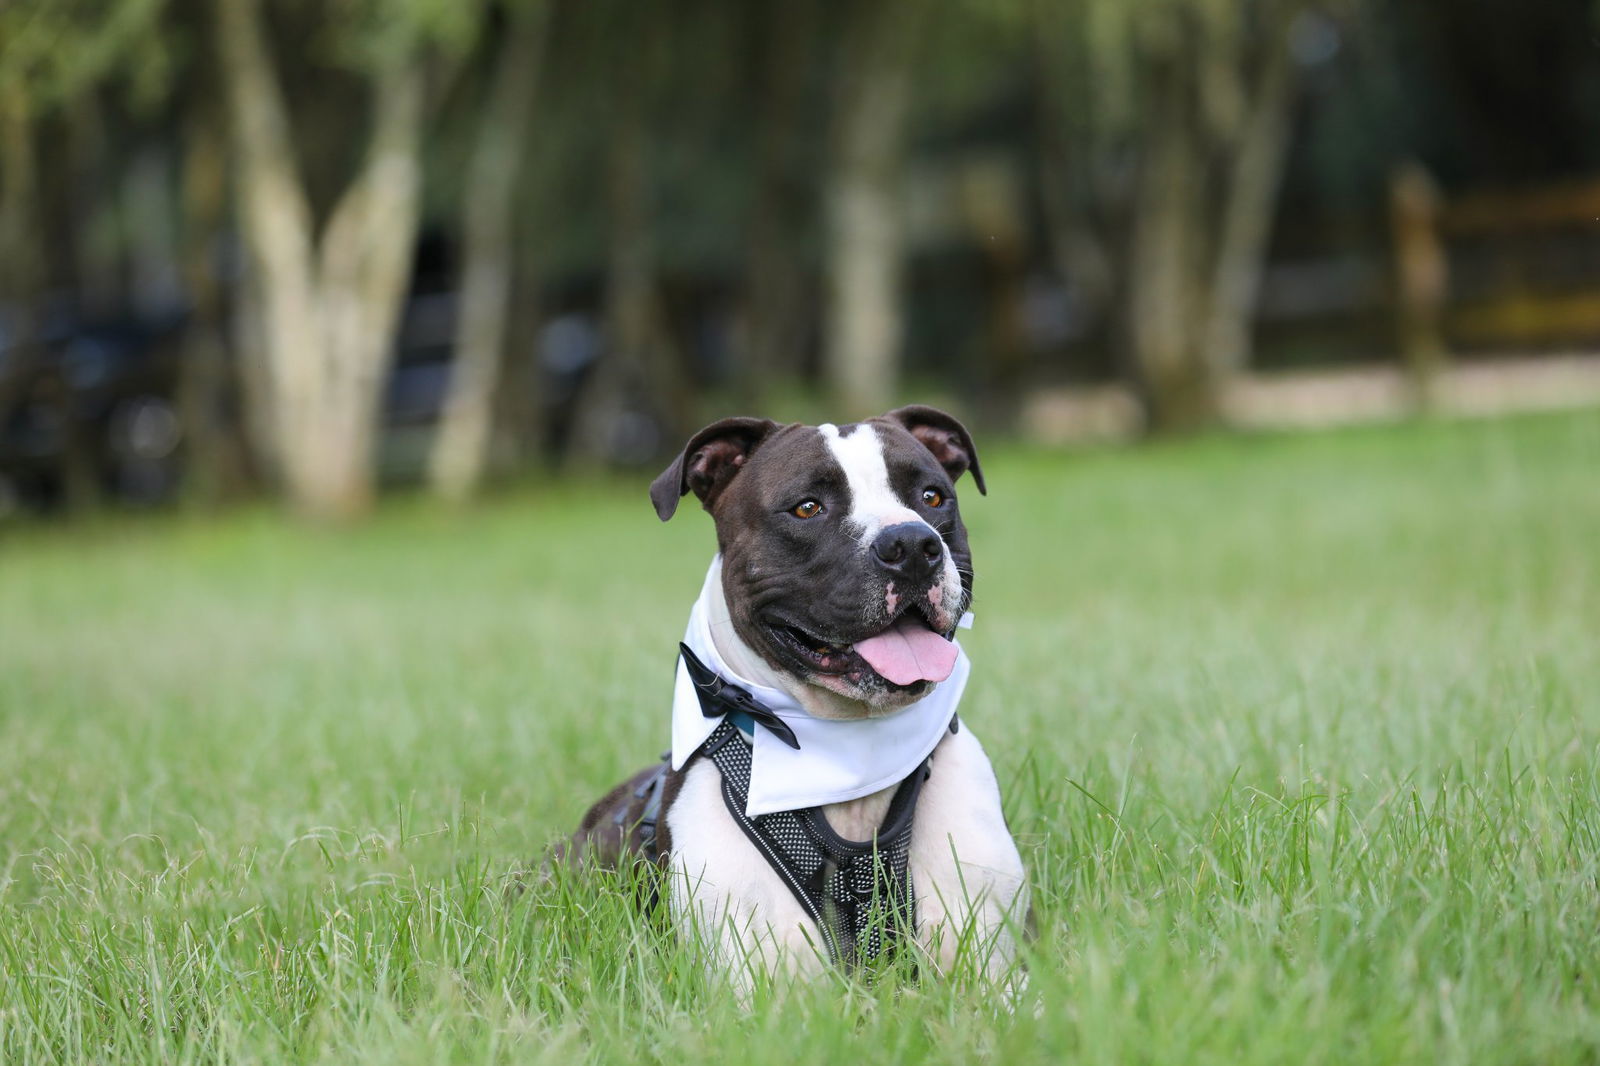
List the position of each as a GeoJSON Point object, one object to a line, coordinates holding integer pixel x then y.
{"type": "Point", "coordinates": [836, 760]}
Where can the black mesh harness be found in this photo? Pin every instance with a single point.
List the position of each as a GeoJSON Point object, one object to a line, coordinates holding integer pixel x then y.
{"type": "Point", "coordinates": [858, 892]}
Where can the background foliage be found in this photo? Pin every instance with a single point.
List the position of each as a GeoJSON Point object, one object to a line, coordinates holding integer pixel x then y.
{"type": "Point", "coordinates": [614, 221]}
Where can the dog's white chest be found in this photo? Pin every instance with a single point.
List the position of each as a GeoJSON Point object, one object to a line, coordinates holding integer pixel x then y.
{"type": "Point", "coordinates": [964, 867]}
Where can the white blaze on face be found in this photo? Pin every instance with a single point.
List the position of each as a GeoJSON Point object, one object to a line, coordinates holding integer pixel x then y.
{"type": "Point", "coordinates": [873, 503]}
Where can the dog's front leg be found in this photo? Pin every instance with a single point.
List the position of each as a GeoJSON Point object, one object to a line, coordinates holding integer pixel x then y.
{"type": "Point", "coordinates": [971, 892]}
{"type": "Point", "coordinates": [724, 896]}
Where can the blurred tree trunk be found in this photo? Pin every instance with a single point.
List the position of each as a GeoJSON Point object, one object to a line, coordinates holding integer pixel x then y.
{"type": "Point", "coordinates": [1215, 133]}
{"type": "Point", "coordinates": [1422, 278]}
{"type": "Point", "coordinates": [328, 308]}
{"type": "Point", "coordinates": [518, 422]}
{"type": "Point", "coordinates": [640, 364]}
{"type": "Point", "coordinates": [461, 448]}
{"type": "Point", "coordinates": [247, 335]}
{"type": "Point", "coordinates": [20, 252]}
{"type": "Point", "coordinates": [864, 261]}
{"type": "Point", "coordinates": [604, 395]}
{"type": "Point", "coordinates": [992, 206]}
{"type": "Point", "coordinates": [99, 284]}
{"type": "Point", "coordinates": [1251, 198]}
{"type": "Point", "coordinates": [1163, 257]}
{"type": "Point", "coordinates": [774, 322]}
{"type": "Point", "coordinates": [520, 433]}
{"type": "Point", "coordinates": [217, 465]}
{"type": "Point", "coordinates": [1069, 142]}
{"type": "Point", "coordinates": [96, 254]}
{"type": "Point", "coordinates": [1082, 262]}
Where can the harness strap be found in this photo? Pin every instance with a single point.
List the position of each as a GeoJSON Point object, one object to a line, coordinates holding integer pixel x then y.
{"type": "Point", "coordinates": [650, 790]}
{"type": "Point", "coordinates": [858, 892]}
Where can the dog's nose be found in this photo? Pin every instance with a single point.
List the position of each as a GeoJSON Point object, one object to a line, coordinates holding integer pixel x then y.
{"type": "Point", "coordinates": [910, 548]}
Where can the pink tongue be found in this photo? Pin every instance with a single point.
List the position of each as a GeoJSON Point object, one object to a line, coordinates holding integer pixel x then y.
{"type": "Point", "coordinates": [909, 652]}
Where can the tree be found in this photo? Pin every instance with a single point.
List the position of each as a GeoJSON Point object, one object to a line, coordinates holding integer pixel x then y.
{"type": "Point", "coordinates": [218, 461]}
{"type": "Point", "coordinates": [784, 45]}
{"type": "Point", "coordinates": [1195, 96]}
{"type": "Point", "coordinates": [863, 260]}
{"type": "Point", "coordinates": [20, 244]}
{"type": "Point", "coordinates": [328, 300]}
{"type": "Point", "coordinates": [640, 364]}
{"type": "Point", "coordinates": [488, 200]}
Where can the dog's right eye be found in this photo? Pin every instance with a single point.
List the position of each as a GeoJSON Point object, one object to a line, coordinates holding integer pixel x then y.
{"type": "Point", "coordinates": [806, 509]}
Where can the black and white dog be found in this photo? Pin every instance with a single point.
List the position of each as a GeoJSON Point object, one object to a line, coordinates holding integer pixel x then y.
{"type": "Point", "coordinates": [814, 715]}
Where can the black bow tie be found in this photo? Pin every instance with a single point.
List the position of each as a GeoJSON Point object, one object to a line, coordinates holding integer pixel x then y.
{"type": "Point", "coordinates": [719, 697]}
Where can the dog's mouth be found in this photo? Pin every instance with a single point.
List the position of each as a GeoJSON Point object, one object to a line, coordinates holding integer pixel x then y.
{"type": "Point", "coordinates": [906, 653]}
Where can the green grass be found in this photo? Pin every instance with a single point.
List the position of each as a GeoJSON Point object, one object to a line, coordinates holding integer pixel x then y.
{"type": "Point", "coordinates": [1300, 738]}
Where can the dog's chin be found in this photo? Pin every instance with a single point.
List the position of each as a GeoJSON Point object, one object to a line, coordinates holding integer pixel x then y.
{"type": "Point", "coordinates": [833, 696]}
{"type": "Point", "coordinates": [855, 693]}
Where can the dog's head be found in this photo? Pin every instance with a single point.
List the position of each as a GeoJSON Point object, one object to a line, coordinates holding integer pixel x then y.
{"type": "Point", "coordinates": [844, 559]}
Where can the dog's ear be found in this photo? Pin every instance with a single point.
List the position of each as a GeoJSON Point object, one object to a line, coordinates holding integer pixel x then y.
{"type": "Point", "coordinates": [708, 462]}
{"type": "Point", "coordinates": [946, 438]}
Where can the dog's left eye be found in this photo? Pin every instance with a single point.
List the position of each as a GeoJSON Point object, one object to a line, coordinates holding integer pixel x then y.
{"type": "Point", "coordinates": [806, 509]}
{"type": "Point", "coordinates": [933, 497]}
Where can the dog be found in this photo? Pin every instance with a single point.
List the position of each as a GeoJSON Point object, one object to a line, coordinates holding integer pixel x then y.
{"type": "Point", "coordinates": [823, 800]}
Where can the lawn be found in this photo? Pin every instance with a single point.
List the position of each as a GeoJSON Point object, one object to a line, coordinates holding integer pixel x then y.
{"type": "Point", "coordinates": [1300, 737]}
